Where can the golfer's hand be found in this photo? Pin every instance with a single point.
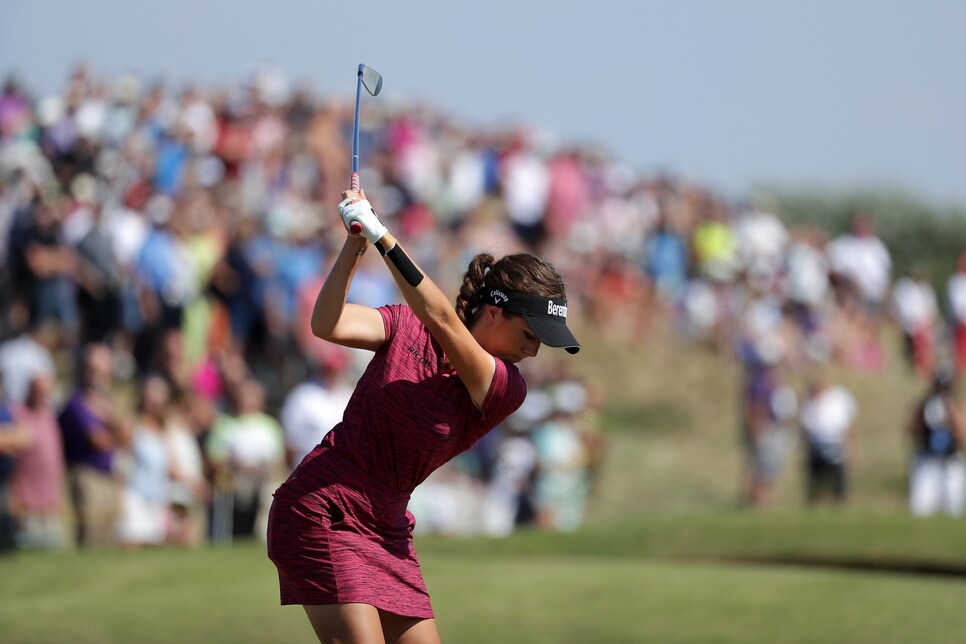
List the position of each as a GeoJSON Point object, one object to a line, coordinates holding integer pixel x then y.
{"type": "Point", "coordinates": [354, 208]}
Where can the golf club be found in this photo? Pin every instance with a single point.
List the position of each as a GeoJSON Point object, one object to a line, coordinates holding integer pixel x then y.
{"type": "Point", "coordinates": [372, 80]}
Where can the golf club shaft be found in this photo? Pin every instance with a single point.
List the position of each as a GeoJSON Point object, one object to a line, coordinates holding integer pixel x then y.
{"type": "Point", "coordinates": [355, 132]}
{"type": "Point", "coordinates": [355, 227]}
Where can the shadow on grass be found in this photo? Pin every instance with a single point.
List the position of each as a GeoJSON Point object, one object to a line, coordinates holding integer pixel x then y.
{"type": "Point", "coordinates": [890, 543]}
{"type": "Point", "coordinates": [858, 564]}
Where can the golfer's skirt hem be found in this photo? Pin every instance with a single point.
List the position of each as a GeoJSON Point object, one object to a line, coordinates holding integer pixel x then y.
{"type": "Point", "coordinates": [326, 553]}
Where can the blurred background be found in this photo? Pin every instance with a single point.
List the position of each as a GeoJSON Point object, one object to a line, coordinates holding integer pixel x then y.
{"type": "Point", "coordinates": [760, 215]}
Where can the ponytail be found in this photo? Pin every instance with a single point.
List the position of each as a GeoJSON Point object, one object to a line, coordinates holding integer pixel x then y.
{"type": "Point", "coordinates": [471, 290]}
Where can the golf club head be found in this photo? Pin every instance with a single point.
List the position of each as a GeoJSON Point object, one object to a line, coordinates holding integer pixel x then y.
{"type": "Point", "coordinates": [371, 79]}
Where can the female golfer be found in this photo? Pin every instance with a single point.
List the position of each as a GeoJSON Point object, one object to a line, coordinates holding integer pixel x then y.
{"type": "Point", "coordinates": [339, 532]}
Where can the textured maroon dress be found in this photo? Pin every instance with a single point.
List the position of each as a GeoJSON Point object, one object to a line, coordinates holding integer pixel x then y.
{"type": "Point", "coordinates": [338, 529]}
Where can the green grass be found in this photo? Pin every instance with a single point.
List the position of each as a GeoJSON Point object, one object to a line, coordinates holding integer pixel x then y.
{"type": "Point", "coordinates": [613, 600]}
{"type": "Point", "coordinates": [886, 541]}
{"type": "Point", "coordinates": [615, 583]}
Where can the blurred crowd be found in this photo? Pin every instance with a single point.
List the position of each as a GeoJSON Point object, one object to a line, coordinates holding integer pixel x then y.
{"type": "Point", "coordinates": [161, 250]}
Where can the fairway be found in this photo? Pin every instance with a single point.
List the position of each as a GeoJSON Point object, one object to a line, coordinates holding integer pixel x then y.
{"type": "Point", "coordinates": [577, 591]}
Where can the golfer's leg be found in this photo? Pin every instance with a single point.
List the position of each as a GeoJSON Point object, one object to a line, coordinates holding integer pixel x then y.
{"type": "Point", "coordinates": [408, 630]}
{"type": "Point", "coordinates": [346, 623]}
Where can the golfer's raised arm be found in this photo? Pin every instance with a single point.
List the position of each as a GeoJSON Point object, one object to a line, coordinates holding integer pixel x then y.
{"type": "Point", "coordinates": [473, 364]}
{"type": "Point", "coordinates": [335, 320]}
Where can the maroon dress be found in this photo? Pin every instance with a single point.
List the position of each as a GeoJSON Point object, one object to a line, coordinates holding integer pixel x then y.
{"type": "Point", "coordinates": [338, 529]}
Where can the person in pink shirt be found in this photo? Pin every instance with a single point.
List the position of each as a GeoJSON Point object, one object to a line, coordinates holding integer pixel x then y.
{"type": "Point", "coordinates": [38, 478]}
{"type": "Point", "coordinates": [440, 378]}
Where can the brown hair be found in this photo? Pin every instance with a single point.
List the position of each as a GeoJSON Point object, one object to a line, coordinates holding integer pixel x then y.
{"type": "Point", "coordinates": [520, 273]}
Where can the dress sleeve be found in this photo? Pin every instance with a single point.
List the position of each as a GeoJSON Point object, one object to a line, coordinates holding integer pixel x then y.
{"type": "Point", "coordinates": [506, 394]}
{"type": "Point", "coordinates": [394, 316]}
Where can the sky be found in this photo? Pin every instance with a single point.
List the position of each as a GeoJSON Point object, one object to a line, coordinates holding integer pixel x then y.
{"type": "Point", "coordinates": [735, 94]}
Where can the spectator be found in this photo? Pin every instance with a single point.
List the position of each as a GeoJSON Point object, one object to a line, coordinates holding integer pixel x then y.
{"type": "Point", "coordinates": [509, 491]}
{"type": "Point", "coordinates": [203, 245]}
{"type": "Point", "coordinates": [562, 477]}
{"type": "Point", "coordinates": [451, 501]}
{"type": "Point", "coordinates": [937, 477]}
{"type": "Point", "coordinates": [769, 404]}
{"type": "Point", "coordinates": [39, 476]}
{"type": "Point", "coordinates": [46, 263]}
{"type": "Point", "coordinates": [914, 306]}
{"type": "Point", "coordinates": [164, 270]}
{"type": "Point", "coordinates": [665, 262]}
{"type": "Point", "coordinates": [92, 428]}
{"type": "Point", "coordinates": [716, 262]}
{"type": "Point", "coordinates": [827, 416]}
{"type": "Point", "coordinates": [234, 277]}
{"type": "Point", "coordinates": [861, 265]}
{"type": "Point", "coordinates": [312, 409]}
{"type": "Point", "coordinates": [807, 289]}
{"type": "Point", "coordinates": [714, 245]}
{"type": "Point", "coordinates": [526, 184]}
{"type": "Point", "coordinates": [569, 194]}
{"type": "Point", "coordinates": [956, 294]}
{"type": "Point", "coordinates": [127, 226]}
{"type": "Point", "coordinates": [247, 450]}
{"type": "Point", "coordinates": [25, 356]}
{"type": "Point", "coordinates": [765, 409]}
{"type": "Point", "coordinates": [96, 274]}
{"type": "Point", "coordinates": [13, 440]}
{"type": "Point", "coordinates": [143, 516]}
{"type": "Point", "coordinates": [761, 241]}
{"type": "Point", "coordinates": [190, 418]}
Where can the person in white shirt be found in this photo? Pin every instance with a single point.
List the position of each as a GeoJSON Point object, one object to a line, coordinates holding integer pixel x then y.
{"type": "Point", "coordinates": [916, 311]}
{"type": "Point", "coordinates": [525, 180]}
{"type": "Point", "coordinates": [807, 290]}
{"type": "Point", "coordinates": [311, 409]}
{"type": "Point", "coordinates": [862, 263]}
{"type": "Point", "coordinates": [762, 239]}
{"type": "Point", "coordinates": [827, 416]}
{"type": "Point", "coordinates": [24, 357]}
{"type": "Point", "coordinates": [937, 476]}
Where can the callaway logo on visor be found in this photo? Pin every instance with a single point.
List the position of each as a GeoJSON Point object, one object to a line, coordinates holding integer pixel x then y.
{"type": "Point", "coordinates": [547, 317]}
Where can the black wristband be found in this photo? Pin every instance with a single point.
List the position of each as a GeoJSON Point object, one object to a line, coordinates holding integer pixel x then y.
{"type": "Point", "coordinates": [404, 265]}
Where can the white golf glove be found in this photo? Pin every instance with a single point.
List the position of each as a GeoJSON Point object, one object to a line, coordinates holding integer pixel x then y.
{"type": "Point", "coordinates": [361, 212]}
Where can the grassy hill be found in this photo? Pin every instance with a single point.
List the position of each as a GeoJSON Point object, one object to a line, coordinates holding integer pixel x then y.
{"type": "Point", "coordinates": [672, 427]}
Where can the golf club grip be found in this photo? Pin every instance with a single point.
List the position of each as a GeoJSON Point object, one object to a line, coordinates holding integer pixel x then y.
{"type": "Point", "coordinates": [354, 227]}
